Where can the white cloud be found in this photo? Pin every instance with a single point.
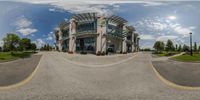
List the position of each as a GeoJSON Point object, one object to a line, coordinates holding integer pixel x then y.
{"type": "Point", "coordinates": [79, 6]}
{"type": "Point", "coordinates": [151, 24]}
{"type": "Point", "coordinates": [39, 43]}
{"type": "Point", "coordinates": [23, 26]}
{"type": "Point", "coordinates": [26, 31]}
{"type": "Point", "coordinates": [165, 38]}
{"type": "Point", "coordinates": [23, 22]}
{"type": "Point", "coordinates": [52, 9]}
{"type": "Point", "coordinates": [51, 36]}
{"type": "Point", "coordinates": [147, 37]}
{"type": "Point", "coordinates": [157, 25]}
{"type": "Point", "coordinates": [184, 31]}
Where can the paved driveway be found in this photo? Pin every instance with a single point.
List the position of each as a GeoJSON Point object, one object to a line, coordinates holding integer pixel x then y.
{"type": "Point", "coordinates": [134, 79]}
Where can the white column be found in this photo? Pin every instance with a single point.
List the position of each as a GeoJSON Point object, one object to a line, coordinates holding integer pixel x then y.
{"type": "Point", "coordinates": [60, 40]}
{"type": "Point", "coordinates": [124, 47]}
{"type": "Point", "coordinates": [72, 38]}
{"type": "Point", "coordinates": [133, 47]}
{"type": "Point", "coordinates": [101, 39]}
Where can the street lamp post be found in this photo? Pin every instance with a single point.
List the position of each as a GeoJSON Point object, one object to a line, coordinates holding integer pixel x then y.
{"type": "Point", "coordinates": [191, 43]}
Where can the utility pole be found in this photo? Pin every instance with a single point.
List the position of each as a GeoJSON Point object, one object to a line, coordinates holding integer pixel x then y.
{"type": "Point", "coordinates": [191, 53]}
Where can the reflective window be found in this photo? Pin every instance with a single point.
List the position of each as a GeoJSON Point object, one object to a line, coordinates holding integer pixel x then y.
{"type": "Point", "coordinates": [86, 27]}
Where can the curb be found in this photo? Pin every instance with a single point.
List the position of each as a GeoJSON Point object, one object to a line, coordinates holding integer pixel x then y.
{"type": "Point", "coordinates": [23, 82]}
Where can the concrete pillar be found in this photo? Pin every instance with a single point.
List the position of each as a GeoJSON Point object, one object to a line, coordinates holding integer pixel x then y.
{"type": "Point", "coordinates": [72, 38]}
{"type": "Point", "coordinates": [60, 40]}
{"type": "Point", "coordinates": [132, 46]}
{"type": "Point", "coordinates": [101, 39]}
{"type": "Point", "coordinates": [124, 46]}
{"type": "Point", "coordinates": [138, 48]}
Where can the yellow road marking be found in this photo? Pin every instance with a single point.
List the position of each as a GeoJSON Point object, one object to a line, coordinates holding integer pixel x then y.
{"type": "Point", "coordinates": [24, 81]}
{"type": "Point", "coordinates": [171, 84]}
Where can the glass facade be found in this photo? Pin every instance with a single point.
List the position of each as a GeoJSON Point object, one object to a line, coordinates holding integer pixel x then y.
{"type": "Point", "coordinates": [86, 44]}
{"type": "Point", "coordinates": [114, 30]}
{"type": "Point", "coordinates": [65, 45]}
{"type": "Point", "coordinates": [86, 27]}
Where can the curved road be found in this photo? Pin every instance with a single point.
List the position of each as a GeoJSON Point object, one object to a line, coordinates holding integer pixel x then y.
{"type": "Point", "coordinates": [132, 80]}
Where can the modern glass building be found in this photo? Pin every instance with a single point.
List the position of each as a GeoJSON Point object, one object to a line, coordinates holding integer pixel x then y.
{"type": "Point", "coordinates": [97, 34]}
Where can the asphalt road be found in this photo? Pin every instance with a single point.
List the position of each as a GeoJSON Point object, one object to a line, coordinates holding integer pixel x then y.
{"type": "Point", "coordinates": [182, 73]}
{"type": "Point", "coordinates": [16, 71]}
{"type": "Point", "coordinates": [134, 79]}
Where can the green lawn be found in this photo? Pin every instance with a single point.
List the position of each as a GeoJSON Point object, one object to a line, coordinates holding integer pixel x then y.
{"type": "Point", "coordinates": [8, 56]}
{"type": "Point", "coordinates": [187, 57]}
{"type": "Point", "coordinates": [163, 54]}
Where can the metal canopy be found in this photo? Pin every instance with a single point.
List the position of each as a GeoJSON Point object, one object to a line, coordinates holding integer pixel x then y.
{"type": "Point", "coordinates": [117, 19]}
{"type": "Point", "coordinates": [131, 28]}
{"type": "Point", "coordinates": [93, 16]}
{"type": "Point", "coordinates": [85, 16]}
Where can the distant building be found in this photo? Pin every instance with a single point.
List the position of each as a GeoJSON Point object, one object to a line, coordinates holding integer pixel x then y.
{"type": "Point", "coordinates": [92, 33]}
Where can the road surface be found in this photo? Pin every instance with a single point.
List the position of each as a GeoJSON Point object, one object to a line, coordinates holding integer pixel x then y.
{"type": "Point", "coordinates": [57, 79]}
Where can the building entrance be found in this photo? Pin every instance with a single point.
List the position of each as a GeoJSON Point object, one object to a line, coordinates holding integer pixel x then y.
{"type": "Point", "coordinates": [86, 45]}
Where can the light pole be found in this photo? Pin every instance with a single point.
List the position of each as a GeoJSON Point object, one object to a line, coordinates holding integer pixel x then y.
{"type": "Point", "coordinates": [191, 43]}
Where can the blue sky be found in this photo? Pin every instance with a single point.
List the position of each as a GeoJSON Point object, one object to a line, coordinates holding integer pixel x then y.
{"type": "Point", "coordinates": [153, 20]}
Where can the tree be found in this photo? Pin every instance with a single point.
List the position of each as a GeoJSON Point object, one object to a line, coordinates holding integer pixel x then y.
{"type": "Point", "coordinates": [11, 41]}
{"type": "Point", "coordinates": [169, 46]}
{"type": "Point", "coordinates": [179, 48]}
{"type": "Point", "coordinates": [33, 47]}
{"type": "Point", "coordinates": [159, 46]}
{"type": "Point", "coordinates": [199, 48]}
{"type": "Point", "coordinates": [1, 49]}
{"type": "Point", "coordinates": [176, 48]}
{"type": "Point", "coordinates": [186, 48]}
{"type": "Point", "coordinates": [195, 47]}
{"type": "Point", "coordinates": [25, 43]}
{"type": "Point", "coordinates": [46, 47]}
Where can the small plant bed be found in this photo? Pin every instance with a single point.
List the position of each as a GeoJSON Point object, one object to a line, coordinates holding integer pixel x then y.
{"type": "Point", "coordinates": [188, 58]}
{"type": "Point", "coordinates": [10, 56]}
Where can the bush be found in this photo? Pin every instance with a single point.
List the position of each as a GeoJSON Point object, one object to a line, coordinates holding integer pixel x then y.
{"type": "Point", "coordinates": [70, 52]}
{"type": "Point", "coordinates": [83, 52]}
{"type": "Point", "coordinates": [124, 52]}
{"type": "Point", "coordinates": [158, 52]}
{"type": "Point", "coordinates": [98, 53]}
{"type": "Point", "coordinates": [170, 54]}
{"type": "Point", "coordinates": [103, 53]}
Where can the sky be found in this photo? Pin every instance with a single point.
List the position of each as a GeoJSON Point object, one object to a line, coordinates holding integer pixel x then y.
{"type": "Point", "coordinates": [153, 20]}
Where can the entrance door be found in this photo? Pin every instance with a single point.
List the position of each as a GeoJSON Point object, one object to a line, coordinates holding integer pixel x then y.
{"type": "Point", "coordinates": [86, 45]}
{"type": "Point", "coordinates": [82, 44]}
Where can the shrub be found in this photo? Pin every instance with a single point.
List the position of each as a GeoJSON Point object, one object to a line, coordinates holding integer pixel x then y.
{"type": "Point", "coordinates": [70, 52]}
{"type": "Point", "coordinates": [98, 53]}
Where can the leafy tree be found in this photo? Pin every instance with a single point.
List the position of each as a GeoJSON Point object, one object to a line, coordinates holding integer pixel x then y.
{"type": "Point", "coordinates": [159, 46]}
{"type": "Point", "coordinates": [195, 47]}
{"type": "Point", "coordinates": [11, 41]}
{"type": "Point", "coordinates": [33, 47]}
{"type": "Point", "coordinates": [179, 48]}
{"type": "Point", "coordinates": [25, 43]}
{"type": "Point", "coordinates": [169, 46]}
{"type": "Point", "coordinates": [199, 48]}
{"type": "Point", "coordinates": [46, 47]}
{"type": "Point", "coordinates": [1, 49]}
{"type": "Point", "coordinates": [186, 48]}
{"type": "Point", "coordinates": [176, 48]}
